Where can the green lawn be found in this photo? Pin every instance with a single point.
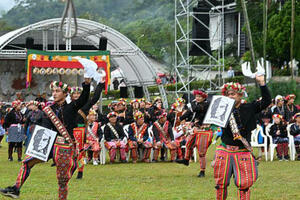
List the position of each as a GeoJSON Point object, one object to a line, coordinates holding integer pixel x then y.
{"type": "Point", "coordinates": [277, 180]}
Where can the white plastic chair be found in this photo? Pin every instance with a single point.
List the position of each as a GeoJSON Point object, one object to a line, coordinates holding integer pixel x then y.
{"type": "Point", "coordinates": [103, 149]}
{"type": "Point", "coordinates": [272, 145]}
{"type": "Point", "coordinates": [254, 140]}
{"type": "Point", "coordinates": [291, 142]}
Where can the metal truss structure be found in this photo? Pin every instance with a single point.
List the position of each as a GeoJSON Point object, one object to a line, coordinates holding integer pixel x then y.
{"type": "Point", "coordinates": [136, 66]}
{"type": "Point", "coordinates": [187, 70]}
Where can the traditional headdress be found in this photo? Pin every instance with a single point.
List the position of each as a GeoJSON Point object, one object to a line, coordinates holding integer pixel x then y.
{"type": "Point", "coordinates": [277, 116]}
{"type": "Point", "coordinates": [112, 103]}
{"type": "Point", "coordinates": [123, 99]}
{"type": "Point", "coordinates": [237, 87]}
{"type": "Point", "coordinates": [63, 86]}
{"type": "Point", "coordinates": [92, 112]}
{"type": "Point", "coordinates": [137, 115]}
{"type": "Point", "coordinates": [109, 115]}
{"type": "Point", "coordinates": [290, 96]}
{"type": "Point", "coordinates": [134, 101]}
{"type": "Point", "coordinates": [180, 100]}
{"type": "Point", "coordinates": [296, 115]}
{"type": "Point", "coordinates": [156, 99]}
{"type": "Point", "coordinates": [278, 98]}
{"type": "Point", "coordinates": [142, 100]}
{"type": "Point", "coordinates": [201, 93]}
{"type": "Point", "coordinates": [36, 103]}
{"type": "Point", "coordinates": [75, 89]}
{"type": "Point", "coordinates": [16, 103]}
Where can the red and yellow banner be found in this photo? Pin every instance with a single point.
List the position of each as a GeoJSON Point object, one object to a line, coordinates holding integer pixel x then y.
{"type": "Point", "coordinates": [48, 61]}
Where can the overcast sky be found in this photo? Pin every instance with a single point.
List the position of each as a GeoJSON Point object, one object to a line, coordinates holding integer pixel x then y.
{"type": "Point", "coordinates": [6, 4]}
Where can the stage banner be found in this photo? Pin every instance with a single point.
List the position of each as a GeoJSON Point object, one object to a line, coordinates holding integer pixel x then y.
{"type": "Point", "coordinates": [41, 143]}
{"type": "Point", "coordinates": [64, 63]}
{"type": "Point", "coordinates": [219, 111]}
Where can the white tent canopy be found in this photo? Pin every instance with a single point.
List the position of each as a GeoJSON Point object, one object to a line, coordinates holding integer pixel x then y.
{"type": "Point", "coordinates": [138, 70]}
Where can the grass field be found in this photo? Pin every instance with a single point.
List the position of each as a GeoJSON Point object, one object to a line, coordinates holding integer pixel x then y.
{"type": "Point", "coordinates": [277, 180]}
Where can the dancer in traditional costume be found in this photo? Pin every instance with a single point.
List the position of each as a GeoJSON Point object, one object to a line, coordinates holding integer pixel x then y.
{"type": "Point", "coordinates": [93, 136]}
{"type": "Point", "coordinates": [13, 123]}
{"type": "Point", "coordinates": [177, 110]}
{"type": "Point", "coordinates": [60, 118]}
{"type": "Point", "coordinates": [34, 117]}
{"type": "Point", "coordinates": [114, 138]}
{"type": "Point", "coordinates": [234, 155]}
{"type": "Point", "coordinates": [80, 131]}
{"type": "Point", "coordinates": [164, 138]}
{"type": "Point", "coordinates": [200, 136]}
{"type": "Point", "coordinates": [138, 138]}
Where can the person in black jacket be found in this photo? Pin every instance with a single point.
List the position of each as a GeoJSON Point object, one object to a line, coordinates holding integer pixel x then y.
{"type": "Point", "coordinates": [233, 155]}
{"type": "Point", "coordinates": [82, 123]}
{"type": "Point", "coordinates": [114, 137]}
{"type": "Point", "coordinates": [199, 139]}
{"type": "Point", "coordinates": [290, 108]}
{"type": "Point", "coordinates": [63, 151]}
{"type": "Point", "coordinates": [295, 131]}
{"type": "Point", "coordinates": [164, 137]}
{"type": "Point", "coordinates": [279, 135]}
{"type": "Point", "coordinates": [13, 125]}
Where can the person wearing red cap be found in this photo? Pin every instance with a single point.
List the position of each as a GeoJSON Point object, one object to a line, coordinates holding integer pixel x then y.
{"type": "Point", "coordinates": [13, 124]}
{"type": "Point", "coordinates": [234, 155]}
{"type": "Point", "coordinates": [163, 134]}
{"type": "Point", "coordinates": [114, 138]}
{"type": "Point", "coordinates": [279, 135]}
{"type": "Point", "coordinates": [200, 137]}
{"type": "Point", "coordinates": [295, 131]}
{"type": "Point", "coordinates": [290, 108]}
{"type": "Point", "coordinates": [58, 117]}
{"type": "Point", "coordinates": [138, 136]}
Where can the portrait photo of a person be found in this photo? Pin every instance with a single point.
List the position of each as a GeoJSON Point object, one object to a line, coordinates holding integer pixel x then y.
{"type": "Point", "coordinates": [219, 109]}
{"type": "Point", "coordinates": [41, 141]}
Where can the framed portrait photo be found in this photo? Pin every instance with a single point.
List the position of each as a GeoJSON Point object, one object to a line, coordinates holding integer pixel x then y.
{"type": "Point", "coordinates": [219, 111]}
{"type": "Point", "coordinates": [41, 143]}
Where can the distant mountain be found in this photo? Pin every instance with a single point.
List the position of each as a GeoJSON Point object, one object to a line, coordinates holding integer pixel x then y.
{"type": "Point", "coordinates": [147, 23]}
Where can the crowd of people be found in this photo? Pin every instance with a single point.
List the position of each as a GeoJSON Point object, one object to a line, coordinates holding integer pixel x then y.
{"type": "Point", "coordinates": [139, 128]}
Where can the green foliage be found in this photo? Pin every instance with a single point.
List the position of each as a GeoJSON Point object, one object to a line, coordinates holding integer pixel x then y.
{"type": "Point", "coordinates": [278, 33]}
{"type": "Point", "coordinates": [276, 88]}
{"type": "Point", "coordinates": [282, 72]}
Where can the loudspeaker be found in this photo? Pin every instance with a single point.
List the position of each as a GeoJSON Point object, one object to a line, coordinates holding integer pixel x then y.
{"type": "Point", "coordinates": [200, 31]}
{"type": "Point", "coordinates": [103, 44]}
{"type": "Point", "coordinates": [29, 43]}
{"type": "Point", "coordinates": [138, 92]}
{"type": "Point", "coordinates": [123, 92]}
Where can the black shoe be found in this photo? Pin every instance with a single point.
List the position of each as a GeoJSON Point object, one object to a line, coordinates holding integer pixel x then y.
{"type": "Point", "coordinates": [298, 158]}
{"type": "Point", "coordinates": [11, 159]}
{"type": "Point", "coordinates": [154, 161]}
{"type": "Point", "coordinates": [53, 165]}
{"type": "Point", "coordinates": [201, 174]}
{"type": "Point", "coordinates": [19, 160]}
{"type": "Point", "coordinates": [184, 161]}
{"type": "Point", "coordinates": [12, 192]}
{"type": "Point", "coordinates": [287, 157]}
{"type": "Point", "coordinates": [79, 175]}
{"type": "Point", "coordinates": [162, 158]}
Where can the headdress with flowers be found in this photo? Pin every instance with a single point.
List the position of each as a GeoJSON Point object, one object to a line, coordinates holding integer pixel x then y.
{"type": "Point", "coordinates": [237, 87]}
{"type": "Point", "coordinates": [109, 115]}
{"type": "Point", "coordinates": [290, 96]}
{"type": "Point", "coordinates": [137, 115]}
{"type": "Point", "coordinates": [59, 84]}
{"type": "Point", "coordinates": [75, 89]}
